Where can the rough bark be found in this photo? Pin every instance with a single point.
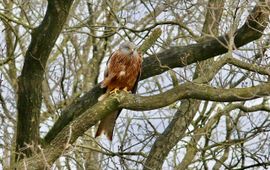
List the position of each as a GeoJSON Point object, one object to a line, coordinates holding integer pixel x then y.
{"type": "Point", "coordinates": [29, 84]}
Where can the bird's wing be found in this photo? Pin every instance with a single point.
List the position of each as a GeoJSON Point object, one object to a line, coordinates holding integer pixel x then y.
{"type": "Point", "coordinates": [134, 89]}
{"type": "Point", "coordinates": [106, 71]}
{"type": "Point", "coordinates": [106, 68]}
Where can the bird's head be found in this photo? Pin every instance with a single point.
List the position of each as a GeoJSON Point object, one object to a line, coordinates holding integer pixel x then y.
{"type": "Point", "coordinates": [128, 48]}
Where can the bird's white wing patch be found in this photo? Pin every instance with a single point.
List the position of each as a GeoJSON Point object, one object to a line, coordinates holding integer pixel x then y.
{"type": "Point", "coordinates": [122, 73]}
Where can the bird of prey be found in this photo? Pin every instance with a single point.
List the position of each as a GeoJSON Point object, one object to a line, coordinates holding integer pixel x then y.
{"type": "Point", "coordinates": [122, 73]}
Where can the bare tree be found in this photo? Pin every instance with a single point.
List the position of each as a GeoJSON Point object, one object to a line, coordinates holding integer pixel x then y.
{"type": "Point", "coordinates": [203, 96]}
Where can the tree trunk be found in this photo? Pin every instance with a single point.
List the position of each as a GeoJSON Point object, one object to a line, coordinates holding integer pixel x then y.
{"type": "Point", "coordinates": [29, 85]}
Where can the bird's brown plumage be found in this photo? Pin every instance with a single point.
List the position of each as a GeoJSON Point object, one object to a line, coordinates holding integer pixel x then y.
{"type": "Point", "coordinates": [123, 71]}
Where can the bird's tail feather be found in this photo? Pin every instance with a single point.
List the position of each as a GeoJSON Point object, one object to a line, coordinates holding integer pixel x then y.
{"type": "Point", "coordinates": [107, 124]}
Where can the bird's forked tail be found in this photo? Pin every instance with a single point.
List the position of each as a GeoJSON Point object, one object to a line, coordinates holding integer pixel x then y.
{"type": "Point", "coordinates": [107, 124]}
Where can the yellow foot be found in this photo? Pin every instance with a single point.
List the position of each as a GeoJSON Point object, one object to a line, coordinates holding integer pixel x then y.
{"type": "Point", "coordinates": [114, 91]}
{"type": "Point", "coordinates": [126, 90]}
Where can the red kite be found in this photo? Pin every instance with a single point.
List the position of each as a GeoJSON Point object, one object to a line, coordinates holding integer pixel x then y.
{"type": "Point", "coordinates": [122, 73]}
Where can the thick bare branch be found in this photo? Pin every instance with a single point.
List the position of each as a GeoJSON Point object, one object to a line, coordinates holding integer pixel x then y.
{"type": "Point", "coordinates": [195, 91]}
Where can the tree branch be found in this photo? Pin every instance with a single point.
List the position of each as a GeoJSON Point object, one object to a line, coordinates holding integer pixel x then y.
{"type": "Point", "coordinates": [194, 91]}
{"type": "Point", "coordinates": [249, 66]}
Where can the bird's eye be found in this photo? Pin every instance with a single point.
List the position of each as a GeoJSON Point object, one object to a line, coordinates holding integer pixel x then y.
{"type": "Point", "coordinates": [126, 48]}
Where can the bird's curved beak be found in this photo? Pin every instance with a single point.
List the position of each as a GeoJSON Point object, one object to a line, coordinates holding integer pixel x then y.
{"type": "Point", "coordinates": [132, 51]}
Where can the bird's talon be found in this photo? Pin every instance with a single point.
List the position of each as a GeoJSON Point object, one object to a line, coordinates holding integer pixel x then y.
{"type": "Point", "coordinates": [126, 90]}
{"type": "Point", "coordinates": [114, 91]}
